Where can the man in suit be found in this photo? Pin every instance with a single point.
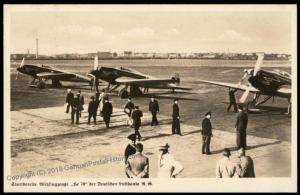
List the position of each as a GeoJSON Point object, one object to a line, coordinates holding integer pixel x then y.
{"type": "Point", "coordinates": [225, 167]}
{"type": "Point", "coordinates": [154, 109]}
{"type": "Point", "coordinates": [138, 164]}
{"type": "Point", "coordinates": [246, 165]}
{"type": "Point", "coordinates": [107, 111]}
{"type": "Point", "coordinates": [136, 115]}
{"type": "Point", "coordinates": [92, 110]}
{"type": "Point", "coordinates": [176, 118]}
{"type": "Point", "coordinates": [206, 133]}
{"type": "Point", "coordinates": [69, 99]}
{"type": "Point", "coordinates": [232, 101]}
{"type": "Point", "coordinates": [128, 110]}
{"type": "Point", "coordinates": [75, 109]}
{"type": "Point", "coordinates": [241, 127]}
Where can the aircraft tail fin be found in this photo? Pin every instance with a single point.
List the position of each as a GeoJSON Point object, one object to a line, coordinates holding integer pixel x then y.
{"type": "Point", "coordinates": [23, 62]}
{"type": "Point", "coordinates": [96, 63]}
{"type": "Point", "coordinates": [176, 78]}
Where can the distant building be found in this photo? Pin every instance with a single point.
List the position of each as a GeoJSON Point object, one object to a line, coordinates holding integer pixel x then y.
{"type": "Point", "coordinates": [161, 55]}
{"type": "Point", "coordinates": [127, 53]}
{"type": "Point", "coordinates": [104, 55]}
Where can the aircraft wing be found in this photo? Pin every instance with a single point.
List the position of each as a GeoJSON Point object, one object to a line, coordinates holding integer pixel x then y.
{"type": "Point", "coordinates": [286, 91]}
{"type": "Point", "coordinates": [142, 82]}
{"type": "Point", "coordinates": [58, 76]}
{"type": "Point", "coordinates": [174, 86]}
{"type": "Point", "coordinates": [231, 85]}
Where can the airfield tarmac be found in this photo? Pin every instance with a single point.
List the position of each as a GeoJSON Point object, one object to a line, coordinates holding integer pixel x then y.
{"type": "Point", "coordinates": [269, 131]}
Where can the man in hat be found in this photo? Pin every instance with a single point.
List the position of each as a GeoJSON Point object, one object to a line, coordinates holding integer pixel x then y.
{"type": "Point", "coordinates": [107, 111]}
{"type": "Point", "coordinates": [246, 165]}
{"type": "Point", "coordinates": [206, 133]}
{"type": "Point", "coordinates": [138, 165]}
{"type": "Point", "coordinates": [128, 110]}
{"type": "Point", "coordinates": [232, 101]}
{"type": "Point", "coordinates": [92, 110]}
{"type": "Point", "coordinates": [136, 115]}
{"type": "Point", "coordinates": [168, 167]}
{"type": "Point", "coordinates": [81, 100]}
{"type": "Point", "coordinates": [130, 148]}
{"type": "Point", "coordinates": [241, 127]}
{"type": "Point", "coordinates": [176, 118]}
{"type": "Point", "coordinates": [154, 109]}
{"type": "Point", "coordinates": [225, 168]}
{"type": "Point", "coordinates": [69, 99]}
{"type": "Point", "coordinates": [75, 109]}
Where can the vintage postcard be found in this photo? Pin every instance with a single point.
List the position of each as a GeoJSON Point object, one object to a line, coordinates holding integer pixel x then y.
{"type": "Point", "coordinates": [150, 98]}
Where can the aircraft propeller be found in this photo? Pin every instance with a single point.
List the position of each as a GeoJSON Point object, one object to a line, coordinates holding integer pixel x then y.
{"type": "Point", "coordinates": [249, 72]}
{"type": "Point", "coordinates": [21, 65]}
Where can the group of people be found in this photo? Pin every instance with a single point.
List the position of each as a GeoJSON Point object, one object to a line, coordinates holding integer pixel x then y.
{"type": "Point", "coordinates": [137, 164]}
{"type": "Point", "coordinates": [99, 101]}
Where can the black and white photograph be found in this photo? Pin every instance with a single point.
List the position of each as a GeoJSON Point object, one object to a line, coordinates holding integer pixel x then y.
{"type": "Point", "coordinates": [150, 98]}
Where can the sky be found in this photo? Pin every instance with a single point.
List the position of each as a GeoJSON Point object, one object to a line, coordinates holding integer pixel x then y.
{"type": "Point", "coordinates": [194, 28]}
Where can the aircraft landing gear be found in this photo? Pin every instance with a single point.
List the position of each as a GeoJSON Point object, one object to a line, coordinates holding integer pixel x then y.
{"type": "Point", "coordinates": [41, 84]}
{"type": "Point", "coordinates": [135, 91]}
{"type": "Point", "coordinates": [56, 83]}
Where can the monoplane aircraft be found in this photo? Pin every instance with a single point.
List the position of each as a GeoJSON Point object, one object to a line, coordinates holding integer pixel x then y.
{"type": "Point", "coordinates": [134, 80]}
{"type": "Point", "coordinates": [41, 73]}
{"type": "Point", "coordinates": [261, 82]}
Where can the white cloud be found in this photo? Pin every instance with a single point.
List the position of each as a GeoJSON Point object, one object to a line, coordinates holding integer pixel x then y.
{"type": "Point", "coordinates": [232, 35]}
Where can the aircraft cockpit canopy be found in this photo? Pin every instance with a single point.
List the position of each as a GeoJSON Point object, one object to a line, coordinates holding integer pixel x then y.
{"type": "Point", "coordinates": [282, 73]}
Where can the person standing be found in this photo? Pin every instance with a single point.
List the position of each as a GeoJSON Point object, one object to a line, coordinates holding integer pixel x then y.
{"type": "Point", "coordinates": [241, 127]}
{"type": "Point", "coordinates": [168, 167]}
{"type": "Point", "coordinates": [225, 168]}
{"type": "Point", "coordinates": [131, 147]}
{"type": "Point", "coordinates": [69, 99]}
{"type": "Point", "coordinates": [102, 97]}
{"type": "Point", "coordinates": [92, 110]}
{"type": "Point", "coordinates": [232, 101]}
{"type": "Point", "coordinates": [206, 133]}
{"type": "Point", "coordinates": [176, 118]}
{"type": "Point", "coordinates": [246, 165]}
{"type": "Point", "coordinates": [136, 115]}
{"type": "Point", "coordinates": [75, 109]}
{"type": "Point", "coordinates": [107, 111]}
{"type": "Point", "coordinates": [138, 165]}
{"type": "Point", "coordinates": [128, 110]}
{"type": "Point", "coordinates": [154, 109]}
{"type": "Point", "coordinates": [81, 100]}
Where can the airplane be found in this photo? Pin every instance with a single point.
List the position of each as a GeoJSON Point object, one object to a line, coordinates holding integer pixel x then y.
{"type": "Point", "coordinates": [274, 83]}
{"type": "Point", "coordinates": [41, 73]}
{"type": "Point", "coordinates": [133, 80]}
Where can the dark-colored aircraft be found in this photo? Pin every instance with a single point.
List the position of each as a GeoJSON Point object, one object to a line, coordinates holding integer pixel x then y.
{"type": "Point", "coordinates": [134, 80]}
{"type": "Point", "coordinates": [261, 82]}
{"type": "Point", "coordinates": [41, 73]}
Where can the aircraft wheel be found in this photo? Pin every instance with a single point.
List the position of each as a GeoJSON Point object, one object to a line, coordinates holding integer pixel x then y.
{"type": "Point", "coordinates": [123, 93]}
{"type": "Point", "coordinates": [41, 85]}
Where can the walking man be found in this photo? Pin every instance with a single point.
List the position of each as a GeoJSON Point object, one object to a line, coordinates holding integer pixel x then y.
{"type": "Point", "coordinates": [69, 99]}
{"type": "Point", "coordinates": [75, 109]}
{"type": "Point", "coordinates": [225, 168]}
{"type": "Point", "coordinates": [168, 167]}
{"type": "Point", "coordinates": [107, 111]}
{"type": "Point", "coordinates": [241, 127]}
{"type": "Point", "coordinates": [206, 133]}
{"type": "Point", "coordinates": [246, 164]}
{"type": "Point", "coordinates": [128, 110]}
{"type": "Point", "coordinates": [154, 109]}
{"type": "Point", "coordinates": [232, 101]}
{"type": "Point", "coordinates": [138, 164]}
{"type": "Point", "coordinates": [136, 117]}
{"type": "Point", "coordinates": [92, 110]}
{"type": "Point", "coordinates": [176, 118]}
{"type": "Point", "coordinates": [81, 100]}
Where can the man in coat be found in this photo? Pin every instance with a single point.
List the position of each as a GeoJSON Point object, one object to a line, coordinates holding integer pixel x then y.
{"type": "Point", "coordinates": [225, 167]}
{"type": "Point", "coordinates": [81, 100]}
{"type": "Point", "coordinates": [206, 133]}
{"type": "Point", "coordinates": [246, 165]}
{"type": "Point", "coordinates": [241, 127]}
{"type": "Point", "coordinates": [107, 111]}
{"type": "Point", "coordinates": [92, 110]}
{"type": "Point", "coordinates": [176, 118]}
{"type": "Point", "coordinates": [136, 115]}
{"type": "Point", "coordinates": [154, 109]}
{"type": "Point", "coordinates": [75, 109]}
{"type": "Point", "coordinates": [69, 99]}
{"type": "Point", "coordinates": [128, 110]}
{"type": "Point", "coordinates": [138, 164]}
{"type": "Point", "coordinates": [232, 101]}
